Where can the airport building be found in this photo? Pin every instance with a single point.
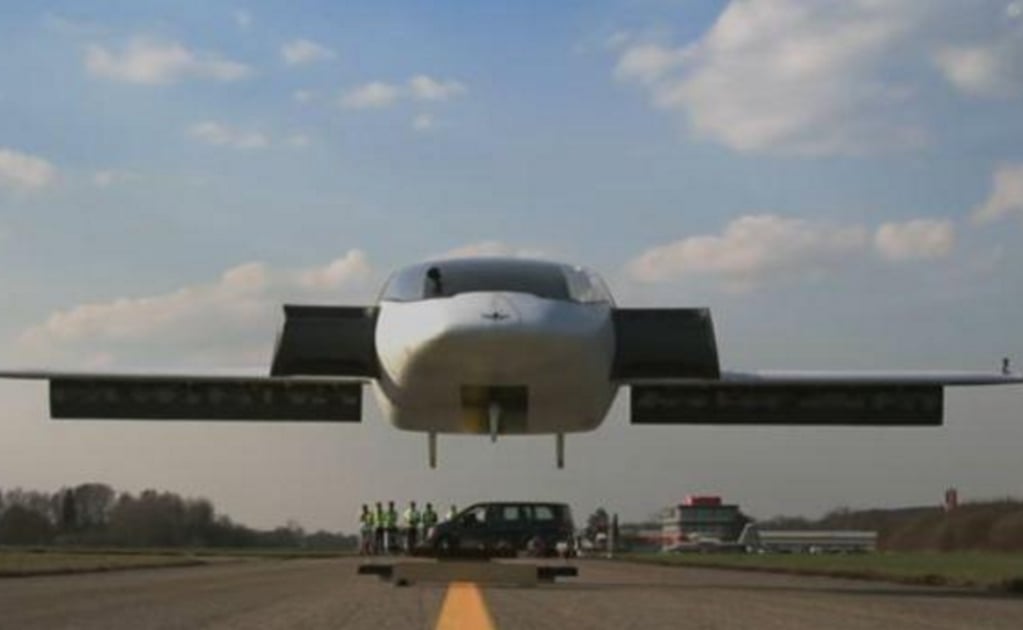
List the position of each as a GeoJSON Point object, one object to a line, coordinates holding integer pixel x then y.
{"type": "Point", "coordinates": [818, 541]}
{"type": "Point", "coordinates": [701, 519]}
{"type": "Point", "coordinates": [706, 523]}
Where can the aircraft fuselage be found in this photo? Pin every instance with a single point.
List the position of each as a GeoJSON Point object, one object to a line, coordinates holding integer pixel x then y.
{"type": "Point", "coordinates": [542, 365]}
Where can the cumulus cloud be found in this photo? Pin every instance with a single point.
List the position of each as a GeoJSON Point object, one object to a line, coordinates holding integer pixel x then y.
{"type": "Point", "coordinates": [489, 248]}
{"type": "Point", "coordinates": [219, 134]}
{"type": "Point", "coordinates": [424, 88]}
{"type": "Point", "coordinates": [24, 172]}
{"type": "Point", "coordinates": [1006, 196]}
{"type": "Point", "coordinates": [378, 94]}
{"type": "Point", "coordinates": [750, 250]}
{"type": "Point", "coordinates": [827, 78]}
{"type": "Point", "coordinates": [988, 64]}
{"type": "Point", "coordinates": [232, 318]}
{"type": "Point", "coordinates": [373, 95]}
{"type": "Point", "coordinates": [914, 240]}
{"type": "Point", "coordinates": [151, 62]}
{"type": "Point", "coordinates": [304, 51]}
{"type": "Point", "coordinates": [647, 63]}
{"type": "Point", "coordinates": [784, 76]}
{"type": "Point", "coordinates": [977, 70]}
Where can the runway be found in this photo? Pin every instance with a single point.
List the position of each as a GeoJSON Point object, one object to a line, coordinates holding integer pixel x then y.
{"type": "Point", "coordinates": [313, 594]}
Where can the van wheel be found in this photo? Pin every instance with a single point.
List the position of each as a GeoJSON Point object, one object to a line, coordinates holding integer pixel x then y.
{"type": "Point", "coordinates": [504, 548]}
{"type": "Point", "coordinates": [446, 545]}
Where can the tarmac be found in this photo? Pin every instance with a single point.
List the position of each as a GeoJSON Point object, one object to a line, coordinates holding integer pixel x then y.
{"type": "Point", "coordinates": [328, 593]}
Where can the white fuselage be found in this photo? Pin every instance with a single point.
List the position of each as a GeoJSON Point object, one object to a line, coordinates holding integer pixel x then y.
{"type": "Point", "coordinates": [543, 364]}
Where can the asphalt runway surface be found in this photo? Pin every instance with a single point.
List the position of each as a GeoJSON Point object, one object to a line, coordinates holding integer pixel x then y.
{"type": "Point", "coordinates": [328, 594]}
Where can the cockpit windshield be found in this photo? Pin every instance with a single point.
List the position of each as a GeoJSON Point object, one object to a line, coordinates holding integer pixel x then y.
{"type": "Point", "coordinates": [552, 281]}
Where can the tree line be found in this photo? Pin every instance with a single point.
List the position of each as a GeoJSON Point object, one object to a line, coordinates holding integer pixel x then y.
{"type": "Point", "coordinates": [94, 514]}
{"type": "Point", "coordinates": [977, 526]}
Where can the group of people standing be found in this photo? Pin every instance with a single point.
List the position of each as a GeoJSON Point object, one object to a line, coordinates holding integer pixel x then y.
{"type": "Point", "coordinates": [384, 531]}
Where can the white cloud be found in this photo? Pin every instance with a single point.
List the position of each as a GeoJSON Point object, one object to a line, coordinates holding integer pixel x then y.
{"type": "Point", "coordinates": [914, 240]}
{"type": "Point", "coordinates": [302, 96]}
{"type": "Point", "coordinates": [1006, 196]}
{"type": "Point", "coordinates": [421, 87]}
{"type": "Point", "coordinates": [791, 77]}
{"type": "Point", "coordinates": [152, 62]}
{"type": "Point", "coordinates": [423, 122]}
{"type": "Point", "coordinates": [488, 248]}
{"type": "Point", "coordinates": [233, 318]}
{"type": "Point", "coordinates": [648, 63]}
{"type": "Point", "coordinates": [304, 51]}
{"type": "Point", "coordinates": [984, 70]}
{"type": "Point", "coordinates": [424, 88]}
{"type": "Point", "coordinates": [349, 269]}
{"type": "Point", "coordinates": [21, 171]}
{"type": "Point", "coordinates": [751, 249]}
{"type": "Point", "coordinates": [219, 134]}
{"type": "Point", "coordinates": [371, 96]}
{"type": "Point", "coordinates": [108, 177]}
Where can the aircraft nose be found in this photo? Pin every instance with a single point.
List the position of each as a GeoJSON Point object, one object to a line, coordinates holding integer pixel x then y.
{"type": "Point", "coordinates": [499, 308]}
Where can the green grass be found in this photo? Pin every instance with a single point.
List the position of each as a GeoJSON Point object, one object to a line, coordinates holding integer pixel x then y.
{"type": "Point", "coordinates": [977, 569]}
{"type": "Point", "coordinates": [27, 561]}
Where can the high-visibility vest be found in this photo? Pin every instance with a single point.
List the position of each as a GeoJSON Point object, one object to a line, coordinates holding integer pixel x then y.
{"type": "Point", "coordinates": [379, 518]}
{"type": "Point", "coordinates": [429, 518]}
{"type": "Point", "coordinates": [412, 517]}
{"type": "Point", "coordinates": [366, 519]}
{"type": "Point", "coordinates": [391, 518]}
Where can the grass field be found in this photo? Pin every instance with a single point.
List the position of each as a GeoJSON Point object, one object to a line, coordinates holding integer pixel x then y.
{"type": "Point", "coordinates": [23, 562]}
{"type": "Point", "coordinates": [26, 563]}
{"type": "Point", "coordinates": [977, 569]}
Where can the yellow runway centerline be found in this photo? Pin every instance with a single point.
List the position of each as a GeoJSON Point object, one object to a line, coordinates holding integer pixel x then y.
{"type": "Point", "coordinates": [464, 609]}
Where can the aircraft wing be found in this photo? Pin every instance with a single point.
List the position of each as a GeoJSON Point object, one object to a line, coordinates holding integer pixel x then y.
{"type": "Point", "coordinates": [669, 359]}
{"type": "Point", "coordinates": [803, 398]}
{"type": "Point", "coordinates": [324, 355]}
{"type": "Point", "coordinates": [907, 378]}
{"type": "Point", "coordinates": [173, 396]}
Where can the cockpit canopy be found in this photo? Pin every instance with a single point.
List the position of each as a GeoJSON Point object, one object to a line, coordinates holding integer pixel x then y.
{"type": "Point", "coordinates": [549, 280]}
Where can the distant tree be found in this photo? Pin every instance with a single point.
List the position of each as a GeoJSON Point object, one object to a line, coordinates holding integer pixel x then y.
{"type": "Point", "coordinates": [39, 502]}
{"type": "Point", "coordinates": [597, 523]}
{"type": "Point", "coordinates": [20, 525]}
{"type": "Point", "coordinates": [330, 540]}
{"type": "Point", "coordinates": [68, 512]}
{"type": "Point", "coordinates": [199, 521]}
{"type": "Point", "coordinates": [93, 502]}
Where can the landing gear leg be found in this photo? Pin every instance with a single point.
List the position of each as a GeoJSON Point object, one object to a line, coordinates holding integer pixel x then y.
{"type": "Point", "coordinates": [559, 442]}
{"type": "Point", "coordinates": [495, 417]}
{"type": "Point", "coordinates": [431, 442]}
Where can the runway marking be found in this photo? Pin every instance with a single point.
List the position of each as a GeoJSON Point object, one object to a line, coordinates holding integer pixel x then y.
{"type": "Point", "coordinates": [464, 609]}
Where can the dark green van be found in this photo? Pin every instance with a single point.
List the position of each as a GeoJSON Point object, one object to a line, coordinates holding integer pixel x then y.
{"type": "Point", "coordinates": [506, 528]}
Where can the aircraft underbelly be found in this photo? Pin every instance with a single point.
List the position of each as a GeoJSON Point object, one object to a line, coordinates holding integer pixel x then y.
{"type": "Point", "coordinates": [447, 363]}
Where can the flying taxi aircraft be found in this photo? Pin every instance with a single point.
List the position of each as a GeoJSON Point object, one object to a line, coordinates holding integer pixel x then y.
{"type": "Point", "coordinates": [507, 346]}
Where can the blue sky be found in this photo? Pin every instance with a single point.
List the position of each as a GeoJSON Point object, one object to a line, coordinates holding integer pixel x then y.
{"type": "Point", "coordinates": [842, 182]}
